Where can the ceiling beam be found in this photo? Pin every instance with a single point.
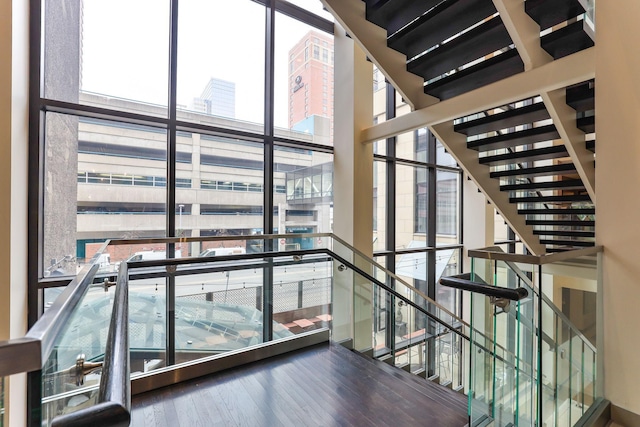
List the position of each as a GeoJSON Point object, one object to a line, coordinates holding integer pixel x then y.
{"type": "Point", "coordinates": [373, 41]}
{"type": "Point", "coordinates": [558, 74]}
{"type": "Point", "coordinates": [524, 32]}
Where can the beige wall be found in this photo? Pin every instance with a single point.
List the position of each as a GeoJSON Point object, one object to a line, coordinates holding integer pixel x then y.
{"type": "Point", "coordinates": [618, 181]}
{"type": "Point", "coordinates": [13, 194]}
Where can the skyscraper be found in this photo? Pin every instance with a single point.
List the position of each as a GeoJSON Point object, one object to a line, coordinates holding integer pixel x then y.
{"type": "Point", "coordinates": [218, 99]}
{"type": "Point", "coordinates": [311, 79]}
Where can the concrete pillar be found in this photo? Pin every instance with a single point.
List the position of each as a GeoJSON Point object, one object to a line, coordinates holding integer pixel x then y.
{"type": "Point", "coordinates": [14, 73]}
{"type": "Point", "coordinates": [618, 208]}
{"type": "Point", "coordinates": [353, 186]}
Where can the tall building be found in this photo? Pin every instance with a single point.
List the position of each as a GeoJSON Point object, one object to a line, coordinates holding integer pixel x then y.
{"type": "Point", "coordinates": [311, 80]}
{"type": "Point", "coordinates": [218, 99]}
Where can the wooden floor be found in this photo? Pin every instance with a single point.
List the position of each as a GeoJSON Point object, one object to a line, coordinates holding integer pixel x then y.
{"type": "Point", "coordinates": [324, 385]}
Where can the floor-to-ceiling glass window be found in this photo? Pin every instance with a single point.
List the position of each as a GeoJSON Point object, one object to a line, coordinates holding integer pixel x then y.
{"type": "Point", "coordinates": [176, 118]}
{"type": "Point", "coordinates": [417, 193]}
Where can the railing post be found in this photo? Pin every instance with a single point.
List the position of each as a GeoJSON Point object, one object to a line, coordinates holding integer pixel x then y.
{"type": "Point", "coordinates": [300, 290]}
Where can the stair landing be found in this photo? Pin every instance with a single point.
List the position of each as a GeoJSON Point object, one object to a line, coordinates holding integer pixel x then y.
{"type": "Point", "coordinates": [323, 385]}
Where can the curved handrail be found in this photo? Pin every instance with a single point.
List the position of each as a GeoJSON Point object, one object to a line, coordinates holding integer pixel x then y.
{"type": "Point", "coordinates": [491, 291]}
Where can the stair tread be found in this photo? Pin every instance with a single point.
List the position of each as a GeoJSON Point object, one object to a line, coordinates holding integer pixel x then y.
{"type": "Point", "coordinates": [395, 14]}
{"type": "Point", "coordinates": [568, 233]}
{"type": "Point", "coordinates": [559, 242]}
{"type": "Point", "coordinates": [548, 13]}
{"type": "Point", "coordinates": [462, 50]}
{"type": "Point", "coordinates": [586, 124]}
{"type": "Point", "coordinates": [442, 22]}
{"type": "Point", "coordinates": [478, 75]}
{"type": "Point", "coordinates": [567, 40]}
{"type": "Point", "coordinates": [512, 139]}
{"type": "Point", "coordinates": [546, 153]}
{"type": "Point", "coordinates": [581, 97]}
{"type": "Point", "coordinates": [536, 171]}
{"type": "Point", "coordinates": [552, 222]}
{"type": "Point", "coordinates": [560, 184]}
{"type": "Point", "coordinates": [564, 198]}
{"type": "Point", "coordinates": [564, 211]}
{"type": "Point", "coordinates": [510, 118]}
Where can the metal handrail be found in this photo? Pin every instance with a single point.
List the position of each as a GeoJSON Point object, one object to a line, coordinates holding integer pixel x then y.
{"type": "Point", "coordinates": [301, 253]}
{"type": "Point", "coordinates": [550, 303]}
{"type": "Point", "coordinates": [491, 291]}
{"type": "Point", "coordinates": [29, 353]}
{"type": "Point", "coordinates": [114, 396]}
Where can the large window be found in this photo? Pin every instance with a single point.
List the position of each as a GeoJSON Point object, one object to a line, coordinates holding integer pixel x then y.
{"type": "Point", "coordinates": [417, 189]}
{"type": "Point", "coordinates": [170, 127]}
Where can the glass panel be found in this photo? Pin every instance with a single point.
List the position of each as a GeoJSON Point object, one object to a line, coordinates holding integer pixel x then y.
{"type": "Point", "coordinates": [411, 207]}
{"type": "Point", "coordinates": [314, 6]}
{"type": "Point", "coordinates": [230, 202]}
{"type": "Point", "coordinates": [218, 312]}
{"type": "Point", "coordinates": [303, 82]}
{"type": "Point", "coordinates": [447, 264]}
{"type": "Point", "coordinates": [147, 317]}
{"type": "Point", "coordinates": [307, 206]}
{"type": "Point", "coordinates": [79, 216]}
{"type": "Point", "coordinates": [64, 390]}
{"type": "Point", "coordinates": [94, 53]}
{"type": "Point", "coordinates": [379, 206]}
{"type": "Point", "coordinates": [443, 158]}
{"type": "Point", "coordinates": [447, 208]}
{"type": "Point", "coordinates": [302, 294]}
{"type": "Point", "coordinates": [227, 82]}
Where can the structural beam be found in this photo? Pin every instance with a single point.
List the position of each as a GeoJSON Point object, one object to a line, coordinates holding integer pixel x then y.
{"type": "Point", "coordinates": [373, 41]}
{"type": "Point", "coordinates": [524, 32]}
{"type": "Point", "coordinates": [564, 117]}
{"type": "Point", "coordinates": [555, 75]}
{"type": "Point", "coordinates": [468, 160]}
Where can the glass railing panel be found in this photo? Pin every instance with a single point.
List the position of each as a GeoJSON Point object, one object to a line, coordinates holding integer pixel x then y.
{"type": "Point", "coordinates": [588, 371]}
{"type": "Point", "coordinates": [147, 321]}
{"type": "Point", "coordinates": [219, 311]}
{"type": "Point", "coordinates": [71, 374]}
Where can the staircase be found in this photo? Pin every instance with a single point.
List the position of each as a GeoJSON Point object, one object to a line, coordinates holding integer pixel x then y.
{"type": "Point", "coordinates": [537, 150]}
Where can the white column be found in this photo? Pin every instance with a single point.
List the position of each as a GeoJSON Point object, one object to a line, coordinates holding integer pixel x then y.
{"type": "Point", "coordinates": [353, 185]}
{"type": "Point", "coordinates": [13, 190]}
{"type": "Point", "coordinates": [618, 208]}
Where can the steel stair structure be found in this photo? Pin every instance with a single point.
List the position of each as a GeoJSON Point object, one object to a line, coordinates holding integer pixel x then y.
{"type": "Point", "coordinates": [507, 86]}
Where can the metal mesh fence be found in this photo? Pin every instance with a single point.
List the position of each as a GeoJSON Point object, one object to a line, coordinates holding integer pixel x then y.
{"type": "Point", "coordinates": [287, 296]}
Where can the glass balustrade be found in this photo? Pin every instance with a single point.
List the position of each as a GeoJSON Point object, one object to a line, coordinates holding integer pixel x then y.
{"type": "Point", "coordinates": [71, 374]}
{"type": "Point", "coordinates": [521, 363]}
{"type": "Point", "coordinates": [548, 376]}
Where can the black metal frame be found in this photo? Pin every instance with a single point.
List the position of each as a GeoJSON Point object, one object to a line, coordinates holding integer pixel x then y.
{"type": "Point", "coordinates": [39, 106]}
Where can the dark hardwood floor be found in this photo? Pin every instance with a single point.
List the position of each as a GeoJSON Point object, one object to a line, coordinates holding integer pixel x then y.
{"type": "Point", "coordinates": [323, 385]}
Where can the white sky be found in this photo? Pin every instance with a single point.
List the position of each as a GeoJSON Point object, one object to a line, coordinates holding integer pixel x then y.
{"type": "Point", "coordinates": [125, 50]}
